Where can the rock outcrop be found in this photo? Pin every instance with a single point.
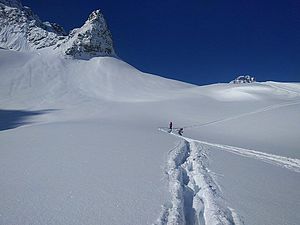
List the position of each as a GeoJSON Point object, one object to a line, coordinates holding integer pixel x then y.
{"type": "Point", "coordinates": [243, 79]}
{"type": "Point", "coordinates": [92, 39]}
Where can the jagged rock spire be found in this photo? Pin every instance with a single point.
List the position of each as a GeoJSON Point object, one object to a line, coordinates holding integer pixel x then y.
{"type": "Point", "coordinates": [92, 39]}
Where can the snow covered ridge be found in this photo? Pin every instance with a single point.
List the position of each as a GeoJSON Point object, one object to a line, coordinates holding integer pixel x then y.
{"type": "Point", "coordinates": [22, 30]}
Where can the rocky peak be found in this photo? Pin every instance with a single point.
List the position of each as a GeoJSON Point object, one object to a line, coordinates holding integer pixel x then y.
{"type": "Point", "coordinates": [92, 39]}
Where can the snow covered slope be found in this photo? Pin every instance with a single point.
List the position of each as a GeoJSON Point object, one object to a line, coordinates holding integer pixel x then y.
{"type": "Point", "coordinates": [79, 145]}
{"type": "Point", "coordinates": [83, 141]}
{"type": "Point", "coordinates": [40, 78]}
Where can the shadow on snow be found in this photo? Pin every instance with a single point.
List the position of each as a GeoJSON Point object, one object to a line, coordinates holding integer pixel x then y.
{"type": "Point", "coordinates": [10, 119]}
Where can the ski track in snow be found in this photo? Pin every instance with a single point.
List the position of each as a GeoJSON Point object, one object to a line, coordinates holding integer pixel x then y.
{"type": "Point", "coordinates": [282, 161]}
{"type": "Point", "coordinates": [284, 89]}
{"type": "Point", "coordinates": [271, 107]}
{"type": "Point", "coordinates": [285, 162]}
{"type": "Point", "coordinates": [195, 197]}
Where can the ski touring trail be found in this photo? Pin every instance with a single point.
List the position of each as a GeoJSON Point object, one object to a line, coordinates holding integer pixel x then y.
{"type": "Point", "coordinates": [285, 162]}
{"type": "Point", "coordinates": [196, 198]}
{"type": "Point", "coordinates": [292, 164]}
{"type": "Point", "coordinates": [264, 109]}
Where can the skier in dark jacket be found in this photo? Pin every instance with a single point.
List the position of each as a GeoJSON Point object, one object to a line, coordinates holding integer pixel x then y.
{"type": "Point", "coordinates": [170, 127]}
{"type": "Point", "coordinates": [180, 132]}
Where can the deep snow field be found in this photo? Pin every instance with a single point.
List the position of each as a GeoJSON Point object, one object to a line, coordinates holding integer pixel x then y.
{"type": "Point", "coordinates": [84, 142]}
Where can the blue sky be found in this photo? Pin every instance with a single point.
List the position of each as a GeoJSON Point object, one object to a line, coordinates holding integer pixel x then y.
{"type": "Point", "coordinates": [196, 41]}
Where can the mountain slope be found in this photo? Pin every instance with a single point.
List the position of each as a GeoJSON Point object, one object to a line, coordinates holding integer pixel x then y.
{"type": "Point", "coordinates": [88, 142]}
{"type": "Point", "coordinates": [38, 78]}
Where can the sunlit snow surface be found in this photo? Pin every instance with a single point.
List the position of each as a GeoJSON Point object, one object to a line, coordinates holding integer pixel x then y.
{"type": "Point", "coordinates": [79, 144]}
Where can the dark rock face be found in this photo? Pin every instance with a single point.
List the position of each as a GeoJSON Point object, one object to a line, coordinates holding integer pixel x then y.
{"type": "Point", "coordinates": [55, 28]}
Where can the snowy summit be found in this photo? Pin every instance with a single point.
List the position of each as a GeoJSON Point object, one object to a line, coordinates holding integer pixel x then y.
{"type": "Point", "coordinates": [86, 138]}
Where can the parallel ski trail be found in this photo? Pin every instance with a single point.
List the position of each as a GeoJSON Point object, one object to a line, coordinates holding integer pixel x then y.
{"type": "Point", "coordinates": [268, 108]}
{"type": "Point", "coordinates": [285, 162]}
{"type": "Point", "coordinates": [282, 161]}
{"type": "Point", "coordinates": [284, 89]}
